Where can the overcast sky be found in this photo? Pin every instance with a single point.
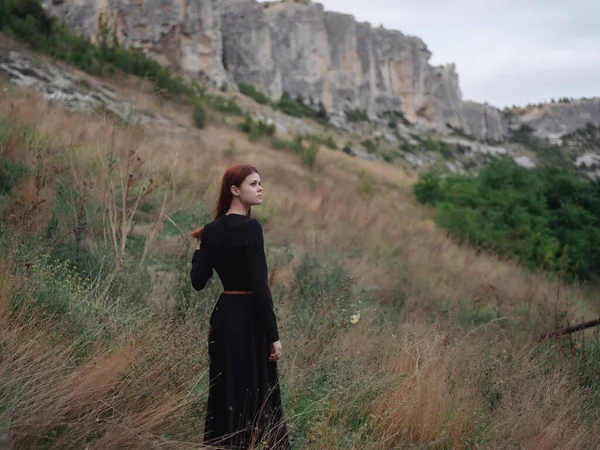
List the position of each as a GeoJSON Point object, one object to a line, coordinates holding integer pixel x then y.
{"type": "Point", "coordinates": [506, 51]}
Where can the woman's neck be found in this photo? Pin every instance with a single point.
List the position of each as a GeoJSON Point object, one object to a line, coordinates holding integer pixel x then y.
{"type": "Point", "coordinates": [238, 208]}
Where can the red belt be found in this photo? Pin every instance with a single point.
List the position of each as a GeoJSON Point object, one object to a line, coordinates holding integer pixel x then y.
{"type": "Point", "coordinates": [237, 292]}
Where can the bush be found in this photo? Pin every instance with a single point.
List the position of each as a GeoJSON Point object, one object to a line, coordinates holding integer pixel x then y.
{"type": "Point", "coordinates": [297, 146]}
{"type": "Point", "coordinates": [199, 115]}
{"type": "Point", "coordinates": [357, 115]}
{"type": "Point", "coordinates": [545, 218]}
{"type": "Point", "coordinates": [279, 144]}
{"type": "Point", "coordinates": [225, 105]}
{"type": "Point", "coordinates": [394, 116]}
{"type": "Point", "coordinates": [309, 155]}
{"type": "Point", "coordinates": [330, 143]}
{"type": "Point", "coordinates": [293, 107]}
{"type": "Point", "coordinates": [370, 146]}
{"type": "Point", "coordinates": [10, 173]}
{"type": "Point", "coordinates": [250, 91]}
{"type": "Point", "coordinates": [255, 129]}
{"type": "Point", "coordinates": [428, 189]}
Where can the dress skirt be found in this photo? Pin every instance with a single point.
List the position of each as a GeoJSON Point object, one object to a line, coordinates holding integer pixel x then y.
{"type": "Point", "coordinates": [244, 401]}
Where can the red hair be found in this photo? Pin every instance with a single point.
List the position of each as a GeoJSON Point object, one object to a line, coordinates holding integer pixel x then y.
{"type": "Point", "coordinates": [233, 176]}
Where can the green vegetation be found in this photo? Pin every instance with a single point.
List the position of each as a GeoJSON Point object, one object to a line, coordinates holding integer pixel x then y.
{"type": "Point", "coordinates": [10, 173]}
{"type": "Point", "coordinates": [256, 129]}
{"type": "Point", "coordinates": [545, 218]}
{"type": "Point", "coordinates": [294, 107]}
{"type": "Point", "coordinates": [27, 20]}
{"type": "Point", "coordinates": [328, 141]}
{"type": "Point", "coordinates": [224, 105]}
{"type": "Point", "coordinates": [357, 115]}
{"type": "Point", "coordinates": [393, 117]}
{"type": "Point", "coordinates": [297, 108]}
{"type": "Point", "coordinates": [250, 91]}
{"type": "Point", "coordinates": [199, 115]}
{"type": "Point", "coordinates": [370, 146]}
{"type": "Point", "coordinates": [260, 129]}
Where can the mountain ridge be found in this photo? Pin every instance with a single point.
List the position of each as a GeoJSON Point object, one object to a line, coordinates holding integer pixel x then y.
{"type": "Point", "coordinates": [299, 48]}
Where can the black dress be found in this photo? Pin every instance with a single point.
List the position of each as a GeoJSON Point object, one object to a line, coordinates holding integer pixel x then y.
{"type": "Point", "coordinates": [244, 400]}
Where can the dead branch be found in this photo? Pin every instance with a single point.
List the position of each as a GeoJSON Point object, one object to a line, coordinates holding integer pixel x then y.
{"type": "Point", "coordinates": [571, 329]}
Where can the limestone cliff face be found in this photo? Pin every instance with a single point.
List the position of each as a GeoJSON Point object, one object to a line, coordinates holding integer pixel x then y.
{"type": "Point", "coordinates": [550, 121]}
{"type": "Point", "coordinates": [295, 46]}
{"type": "Point", "coordinates": [554, 120]}
{"type": "Point", "coordinates": [303, 50]}
{"type": "Point", "coordinates": [483, 121]}
{"type": "Point", "coordinates": [185, 34]}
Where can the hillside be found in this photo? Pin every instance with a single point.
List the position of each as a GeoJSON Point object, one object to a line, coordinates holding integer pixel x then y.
{"type": "Point", "coordinates": [395, 335]}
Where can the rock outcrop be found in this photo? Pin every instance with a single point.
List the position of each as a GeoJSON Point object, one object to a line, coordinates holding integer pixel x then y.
{"type": "Point", "coordinates": [295, 46]}
{"type": "Point", "coordinates": [72, 91]}
{"type": "Point", "coordinates": [185, 34]}
{"type": "Point", "coordinates": [554, 120]}
{"type": "Point", "coordinates": [483, 121]}
{"type": "Point", "coordinates": [299, 48]}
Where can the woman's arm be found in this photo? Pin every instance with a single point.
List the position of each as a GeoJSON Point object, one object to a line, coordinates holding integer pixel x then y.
{"type": "Point", "coordinates": [256, 262]}
{"type": "Point", "coordinates": [202, 269]}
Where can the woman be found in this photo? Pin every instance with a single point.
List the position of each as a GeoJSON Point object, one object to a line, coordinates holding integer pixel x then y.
{"type": "Point", "coordinates": [244, 400]}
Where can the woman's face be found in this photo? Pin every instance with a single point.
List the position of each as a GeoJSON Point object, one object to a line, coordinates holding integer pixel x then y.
{"type": "Point", "coordinates": [250, 191]}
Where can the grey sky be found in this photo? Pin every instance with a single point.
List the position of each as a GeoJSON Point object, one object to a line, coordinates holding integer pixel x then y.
{"type": "Point", "coordinates": [506, 51]}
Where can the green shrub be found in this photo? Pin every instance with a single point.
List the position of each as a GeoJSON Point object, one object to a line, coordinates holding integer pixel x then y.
{"type": "Point", "coordinates": [255, 129]}
{"type": "Point", "coordinates": [545, 218]}
{"type": "Point", "coordinates": [294, 107]}
{"type": "Point", "coordinates": [225, 105]}
{"type": "Point", "coordinates": [297, 146]}
{"type": "Point", "coordinates": [250, 91]}
{"type": "Point", "coordinates": [388, 157]}
{"type": "Point", "coordinates": [394, 116]}
{"type": "Point", "coordinates": [428, 189]}
{"type": "Point", "coordinates": [309, 155]}
{"type": "Point", "coordinates": [330, 143]}
{"type": "Point", "coordinates": [199, 115]}
{"type": "Point", "coordinates": [10, 173]}
{"type": "Point", "coordinates": [279, 144]}
{"type": "Point", "coordinates": [357, 115]}
{"type": "Point", "coordinates": [370, 146]}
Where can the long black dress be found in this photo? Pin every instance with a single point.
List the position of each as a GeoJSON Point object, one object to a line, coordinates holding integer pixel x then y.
{"type": "Point", "coordinates": [244, 400]}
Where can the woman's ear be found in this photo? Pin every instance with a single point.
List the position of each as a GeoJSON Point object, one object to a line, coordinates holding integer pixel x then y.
{"type": "Point", "coordinates": [235, 191]}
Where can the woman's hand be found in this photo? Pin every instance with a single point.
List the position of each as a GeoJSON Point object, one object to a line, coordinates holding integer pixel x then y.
{"type": "Point", "coordinates": [276, 351]}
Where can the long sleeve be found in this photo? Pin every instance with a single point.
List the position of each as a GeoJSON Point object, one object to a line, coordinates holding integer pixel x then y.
{"type": "Point", "coordinates": [202, 269]}
{"type": "Point", "coordinates": [257, 266]}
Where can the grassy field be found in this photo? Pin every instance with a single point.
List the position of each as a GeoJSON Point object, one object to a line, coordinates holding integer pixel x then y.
{"type": "Point", "coordinates": [394, 336]}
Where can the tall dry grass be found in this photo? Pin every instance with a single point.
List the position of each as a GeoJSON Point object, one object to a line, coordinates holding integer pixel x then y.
{"type": "Point", "coordinates": [460, 369]}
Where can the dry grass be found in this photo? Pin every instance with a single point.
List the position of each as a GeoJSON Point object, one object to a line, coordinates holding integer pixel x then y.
{"type": "Point", "coordinates": [428, 380]}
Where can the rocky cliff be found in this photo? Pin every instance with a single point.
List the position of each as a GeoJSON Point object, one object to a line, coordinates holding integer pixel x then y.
{"type": "Point", "coordinates": [295, 46]}
{"type": "Point", "coordinates": [299, 48]}
{"type": "Point", "coordinates": [185, 34]}
{"type": "Point", "coordinates": [554, 120]}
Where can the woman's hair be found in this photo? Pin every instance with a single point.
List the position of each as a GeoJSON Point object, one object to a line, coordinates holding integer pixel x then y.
{"type": "Point", "coordinates": [233, 176]}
